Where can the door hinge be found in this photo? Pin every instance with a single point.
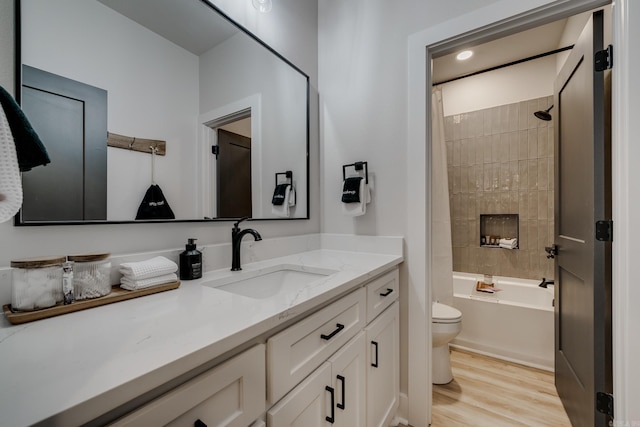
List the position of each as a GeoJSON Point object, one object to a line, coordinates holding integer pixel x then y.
{"type": "Point", "coordinates": [604, 231]}
{"type": "Point", "coordinates": [604, 403]}
{"type": "Point", "coordinates": [215, 150]}
{"type": "Point", "coordinates": [604, 59]}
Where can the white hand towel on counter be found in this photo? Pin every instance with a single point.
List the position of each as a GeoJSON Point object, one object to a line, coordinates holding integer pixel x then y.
{"type": "Point", "coordinates": [508, 243]}
{"type": "Point", "coordinates": [283, 210]}
{"type": "Point", "coordinates": [133, 285]}
{"type": "Point", "coordinates": [153, 267]}
{"type": "Point", "coordinates": [358, 208]}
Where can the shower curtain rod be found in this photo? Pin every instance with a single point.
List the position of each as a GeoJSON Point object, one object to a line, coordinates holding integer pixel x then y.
{"type": "Point", "coordinates": [497, 67]}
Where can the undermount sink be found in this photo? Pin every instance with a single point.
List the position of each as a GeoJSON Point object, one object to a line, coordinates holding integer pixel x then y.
{"type": "Point", "coordinates": [271, 281]}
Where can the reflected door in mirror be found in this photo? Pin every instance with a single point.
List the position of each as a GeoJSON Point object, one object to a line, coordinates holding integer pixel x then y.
{"type": "Point", "coordinates": [234, 175]}
{"type": "Point", "coordinates": [71, 119]}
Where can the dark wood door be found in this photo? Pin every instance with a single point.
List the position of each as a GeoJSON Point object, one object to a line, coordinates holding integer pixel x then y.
{"type": "Point", "coordinates": [233, 175]}
{"type": "Point", "coordinates": [582, 197]}
{"type": "Point", "coordinates": [71, 119]}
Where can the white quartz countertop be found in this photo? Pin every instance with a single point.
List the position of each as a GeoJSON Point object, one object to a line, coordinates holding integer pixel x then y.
{"type": "Point", "coordinates": [75, 367]}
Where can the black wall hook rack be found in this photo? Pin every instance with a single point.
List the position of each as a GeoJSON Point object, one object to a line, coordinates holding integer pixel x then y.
{"type": "Point", "coordinates": [358, 166]}
{"type": "Point", "coordinates": [288, 176]}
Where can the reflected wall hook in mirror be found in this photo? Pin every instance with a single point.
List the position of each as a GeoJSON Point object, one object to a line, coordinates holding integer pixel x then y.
{"type": "Point", "coordinates": [136, 144]}
{"type": "Point", "coordinates": [288, 177]}
{"type": "Point", "coordinates": [358, 166]}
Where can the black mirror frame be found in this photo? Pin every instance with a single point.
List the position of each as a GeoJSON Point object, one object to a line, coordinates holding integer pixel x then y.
{"type": "Point", "coordinates": [18, 85]}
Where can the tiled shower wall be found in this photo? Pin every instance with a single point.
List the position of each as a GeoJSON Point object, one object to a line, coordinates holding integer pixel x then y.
{"type": "Point", "coordinates": [500, 161]}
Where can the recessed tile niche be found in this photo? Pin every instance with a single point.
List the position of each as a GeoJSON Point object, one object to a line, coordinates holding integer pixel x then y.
{"type": "Point", "coordinates": [494, 227]}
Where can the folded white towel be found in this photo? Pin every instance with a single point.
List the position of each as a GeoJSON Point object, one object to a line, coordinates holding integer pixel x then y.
{"type": "Point", "coordinates": [508, 243]}
{"type": "Point", "coordinates": [358, 208]}
{"type": "Point", "coordinates": [133, 285]}
{"type": "Point", "coordinates": [153, 267]}
{"type": "Point", "coordinates": [289, 201]}
{"type": "Point", "coordinates": [10, 182]}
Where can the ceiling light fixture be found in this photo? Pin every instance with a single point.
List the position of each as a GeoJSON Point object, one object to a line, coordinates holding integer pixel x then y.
{"type": "Point", "coordinates": [465, 54]}
{"type": "Point", "coordinates": [262, 5]}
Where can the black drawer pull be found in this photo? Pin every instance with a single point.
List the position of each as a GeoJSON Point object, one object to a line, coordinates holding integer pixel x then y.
{"type": "Point", "coordinates": [342, 380]}
{"type": "Point", "coordinates": [375, 364]}
{"type": "Point", "coordinates": [386, 294]}
{"type": "Point", "coordinates": [199, 423]}
{"type": "Point", "coordinates": [332, 418]}
{"type": "Point", "coordinates": [339, 327]}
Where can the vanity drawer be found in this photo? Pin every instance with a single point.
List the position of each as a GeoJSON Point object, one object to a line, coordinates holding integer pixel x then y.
{"type": "Point", "coordinates": [231, 394]}
{"type": "Point", "coordinates": [381, 293]}
{"type": "Point", "coordinates": [298, 350]}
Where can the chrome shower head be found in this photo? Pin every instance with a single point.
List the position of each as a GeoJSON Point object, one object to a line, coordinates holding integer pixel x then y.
{"type": "Point", "coordinates": [544, 115]}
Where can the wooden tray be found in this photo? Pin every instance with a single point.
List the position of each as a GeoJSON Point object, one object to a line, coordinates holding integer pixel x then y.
{"type": "Point", "coordinates": [117, 294]}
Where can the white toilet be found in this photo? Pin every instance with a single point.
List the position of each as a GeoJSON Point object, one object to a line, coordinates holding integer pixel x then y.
{"type": "Point", "coordinates": [446, 324]}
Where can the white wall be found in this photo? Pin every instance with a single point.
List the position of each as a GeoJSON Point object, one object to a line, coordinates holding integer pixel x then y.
{"type": "Point", "coordinates": [626, 211]}
{"type": "Point", "coordinates": [528, 80]}
{"type": "Point", "coordinates": [363, 85]}
{"type": "Point", "coordinates": [131, 64]}
{"type": "Point", "coordinates": [298, 43]}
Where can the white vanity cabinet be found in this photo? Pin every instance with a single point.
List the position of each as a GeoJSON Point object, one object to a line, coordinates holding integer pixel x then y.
{"type": "Point", "coordinates": [295, 352]}
{"type": "Point", "coordinates": [355, 384]}
{"type": "Point", "coordinates": [383, 367]}
{"type": "Point", "coordinates": [231, 394]}
{"type": "Point", "coordinates": [334, 394]}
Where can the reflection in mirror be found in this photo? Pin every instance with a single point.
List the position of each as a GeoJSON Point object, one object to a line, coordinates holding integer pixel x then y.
{"type": "Point", "coordinates": [178, 72]}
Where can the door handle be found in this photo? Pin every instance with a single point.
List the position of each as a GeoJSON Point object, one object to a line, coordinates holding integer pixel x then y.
{"type": "Point", "coordinates": [551, 251]}
{"type": "Point", "coordinates": [332, 418]}
{"type": "Point", "coordinates": [384, 294]}
{"type": "Point", "coordinates": [339, 327]}
{"type": "Point", "coordinates": [342, 381]}
{"type": "Point", "coordinates": [375, 364]}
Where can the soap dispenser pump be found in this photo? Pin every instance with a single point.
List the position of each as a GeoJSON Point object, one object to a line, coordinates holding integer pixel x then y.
{"type": "Point", "coordinates": [190, 262]}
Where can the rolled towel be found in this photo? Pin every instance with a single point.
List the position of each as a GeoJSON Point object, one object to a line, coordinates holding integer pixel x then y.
{"type": "Point", "coordinates": [133, 285]}
{"type": "Point", "coordinates": [153, 267]}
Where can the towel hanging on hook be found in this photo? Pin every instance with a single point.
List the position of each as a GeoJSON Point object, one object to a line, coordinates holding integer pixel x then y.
{"type": "Point", "coordinates": [154, 205]}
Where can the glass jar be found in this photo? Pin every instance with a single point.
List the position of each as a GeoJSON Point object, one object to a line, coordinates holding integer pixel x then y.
{"type": "Point", "coordinates": [36, 283]}
{"type": "Point", "coordinates": [91, 275]}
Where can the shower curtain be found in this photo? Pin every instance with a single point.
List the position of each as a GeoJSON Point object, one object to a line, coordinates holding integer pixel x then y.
{"type": "Point", "coordinates": [441, 245]}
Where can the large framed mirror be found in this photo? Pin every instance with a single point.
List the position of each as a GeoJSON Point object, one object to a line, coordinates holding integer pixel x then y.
{"type": "Point", "coordinates": [106, 83]}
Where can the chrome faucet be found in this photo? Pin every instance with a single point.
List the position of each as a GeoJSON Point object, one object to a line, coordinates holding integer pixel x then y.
{"type": "Point", "coordinates": [236, 238]}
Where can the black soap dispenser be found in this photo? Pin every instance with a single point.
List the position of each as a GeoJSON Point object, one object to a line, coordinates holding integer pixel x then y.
{"type": "Point", "coordinates": [191, 262]}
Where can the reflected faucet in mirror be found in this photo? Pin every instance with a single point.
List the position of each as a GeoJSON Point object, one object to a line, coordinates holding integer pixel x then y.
{"type": "Point", "coordinates": [236, 239]}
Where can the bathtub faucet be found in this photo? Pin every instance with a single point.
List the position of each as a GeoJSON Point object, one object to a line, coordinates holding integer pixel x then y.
{"type": "Point", "coordinates": [545, 282]}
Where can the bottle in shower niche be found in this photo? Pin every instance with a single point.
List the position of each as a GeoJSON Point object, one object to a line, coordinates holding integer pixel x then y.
{"type": "Point", "coordinates": [190, 262]}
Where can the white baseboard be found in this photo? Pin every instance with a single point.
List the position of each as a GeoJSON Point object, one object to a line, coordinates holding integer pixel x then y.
{"type": "Point", "coordinates": [520, 361]}
{"type": "Point", "coordinates": [401, 414]}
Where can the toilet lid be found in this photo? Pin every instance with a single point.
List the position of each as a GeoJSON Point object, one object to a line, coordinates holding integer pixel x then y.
{"type": "Point", "coordinates": [442, 313]}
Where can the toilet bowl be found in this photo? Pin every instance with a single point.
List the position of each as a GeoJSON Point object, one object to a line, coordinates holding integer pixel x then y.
{"type": "Point", "coordinates": [446, 324]}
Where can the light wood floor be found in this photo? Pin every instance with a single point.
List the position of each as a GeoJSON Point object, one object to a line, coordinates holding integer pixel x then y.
{"type": "Point", "coordinates": [491, 392]}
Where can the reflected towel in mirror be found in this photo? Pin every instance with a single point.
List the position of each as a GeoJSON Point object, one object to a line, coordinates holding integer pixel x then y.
{"type": "Point", "coordinates": [282, 202]}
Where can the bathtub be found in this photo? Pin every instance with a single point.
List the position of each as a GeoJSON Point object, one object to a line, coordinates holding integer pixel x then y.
{"type": "Point", "coordinates": [514, 324]}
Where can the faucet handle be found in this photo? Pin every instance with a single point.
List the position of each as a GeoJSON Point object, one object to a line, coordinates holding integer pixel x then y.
{"type": "Point", "coordinates": [239, 221]}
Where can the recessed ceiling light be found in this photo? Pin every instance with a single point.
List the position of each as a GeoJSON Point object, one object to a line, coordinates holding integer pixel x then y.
{"type": "Point", "coordinates": [262, 5]}
{"type": "Point", "coordinates": [465, 54]}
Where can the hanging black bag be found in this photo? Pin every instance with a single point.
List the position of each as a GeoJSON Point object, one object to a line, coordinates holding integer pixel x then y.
{"type": "Point", "coordinates": [154, 205]}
